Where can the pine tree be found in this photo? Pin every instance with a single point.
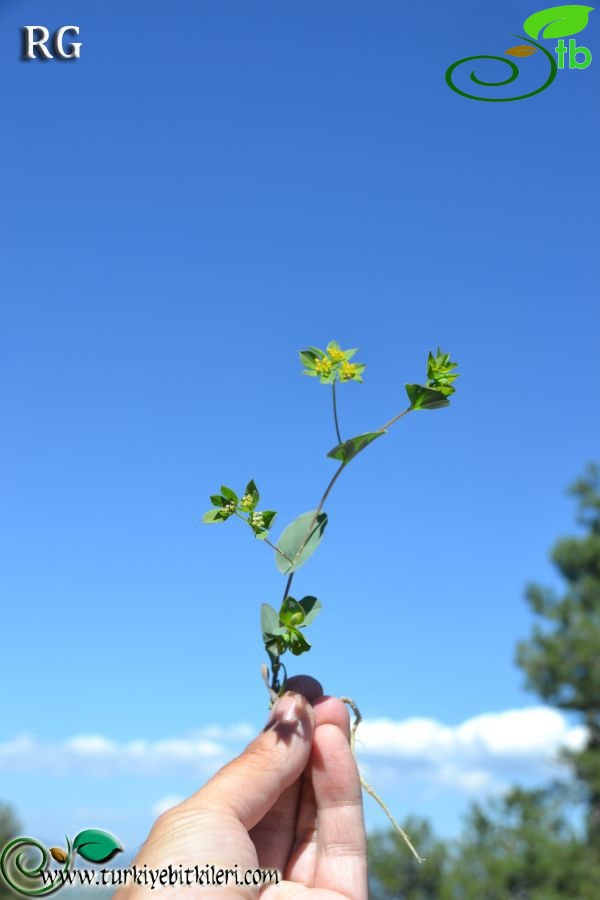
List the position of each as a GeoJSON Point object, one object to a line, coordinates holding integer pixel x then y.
{"type": "Point", "coordinates": [562, 658]}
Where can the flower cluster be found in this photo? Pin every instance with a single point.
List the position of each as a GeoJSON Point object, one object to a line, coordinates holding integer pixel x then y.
{"type": "Point", "coordinates": [227, 504]}
{"type": "Point", "coordinates": [332, 364]}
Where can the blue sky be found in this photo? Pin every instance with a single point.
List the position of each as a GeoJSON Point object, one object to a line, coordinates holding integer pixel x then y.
{"type": "Point", "coordinates": [210, 188]}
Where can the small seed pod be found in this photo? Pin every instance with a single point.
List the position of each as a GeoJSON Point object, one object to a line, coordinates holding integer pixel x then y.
{"type": "Point", "coordinates": [58, 854]}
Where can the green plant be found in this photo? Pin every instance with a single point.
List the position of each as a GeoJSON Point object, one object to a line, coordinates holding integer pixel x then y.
{"type": "Point", "coordinates": [283, 629]}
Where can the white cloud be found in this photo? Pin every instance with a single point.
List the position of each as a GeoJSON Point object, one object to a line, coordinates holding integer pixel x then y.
{"type": "Point", "coordinates": [97, 755]}
{"type": "Point", "coordinates": [482, 754]}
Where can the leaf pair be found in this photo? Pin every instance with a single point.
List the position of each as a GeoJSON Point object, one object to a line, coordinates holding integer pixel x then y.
{"type": "Point", "coordinates": [281, 631]}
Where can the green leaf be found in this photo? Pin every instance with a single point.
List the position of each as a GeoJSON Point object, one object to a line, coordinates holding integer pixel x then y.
{"type": "Point", "coordinates": [269, 619]}
{"type": "Point", "coordinates": [291, 613]}
{"type": "Point", "coordinates": [297, 642]}
{"type": "Point", "coordinates": [253, 491]}
{"type": "Point", "coordinates": [275, 647]}
{"type": "Point", "coordinates": [260, 526]}
{"type": "Point", "coordinates": [214, 515]}
{"type": "Point", "coordinates": [307, 358]}
{"type": "Point", "coordinates": [329, 379]}
{"type": "Point", "coordinates": [217, 500]}
{"type": "Point", "coordinates": [440, 372]}
{"type": "Point", "coordinates": [268, 517]}
{"type": "Point", "coordinates": [422, 397]}
{"type": "Point", "coordinates": [278, 631]}
{"type": "Point", "coordinates": [297, 543]}
{"type": "Point", "coordinates": [312, 607]}
{"type": "Point", "coordinates": [96, 846]}
{"type": "Point", "coordinates": [229, 494]}
{"type": "Point", "coordinates": [558, 21]}
{"type": "Point", "coordinates": [353, 446]}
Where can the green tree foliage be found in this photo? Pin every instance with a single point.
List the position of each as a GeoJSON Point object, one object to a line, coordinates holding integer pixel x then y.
{"type": "Point", "coordinates": [9, 828]}
{"type": "Point", "coordinates": [562, 658]}
{"type": "Point", "coordinates": [395, 873]}
{"type": "Point", "coordinates": [523, 846]}
{"type": "Point", "coordinates": [520, 847]}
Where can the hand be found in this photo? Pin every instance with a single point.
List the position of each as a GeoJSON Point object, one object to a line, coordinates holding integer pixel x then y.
{"type": "Point", "coordinates": [291, 801]}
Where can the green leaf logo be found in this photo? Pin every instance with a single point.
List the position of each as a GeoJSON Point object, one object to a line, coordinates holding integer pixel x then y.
{"type": "Point", "coordinates": [96, 846]}
{"type": "Point", "coordinates": [557, 21]}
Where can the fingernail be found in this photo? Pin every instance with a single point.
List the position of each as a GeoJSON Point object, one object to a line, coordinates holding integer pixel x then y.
{"type": "Point", "coordinates": [286, 709]}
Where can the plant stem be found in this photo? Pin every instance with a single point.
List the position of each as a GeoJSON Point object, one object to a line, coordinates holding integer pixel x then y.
{"type": "Point", "coordinates": [288, 585]}
{"type": "Point", "coordinates": [275, 547]}
{"type": "Point", "coordinates": [267, 541]}
{"type": "Point", "coordinates": [309, 530]}
{"type": "Point", "coordinates": [395, 419]}
{"type": "Point", "coordinates": [333, 481]}
{"type": "Point", "coordinates": [335, 415]}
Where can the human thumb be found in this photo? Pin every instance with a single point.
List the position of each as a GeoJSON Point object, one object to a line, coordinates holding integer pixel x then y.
{"type": "Point", "coordinates": [252, 783]}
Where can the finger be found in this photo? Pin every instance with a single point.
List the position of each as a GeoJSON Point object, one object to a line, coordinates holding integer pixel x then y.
{"type": "Point", "coordinates": [341, 863]}
{"type": "Point", "coordinates": [333, 711]}
{"type": "Point", "coordinates": [302, 861]}
{"type": "Point", "coordinates": [250, 785]}
{"type": "Point", "coordinates": [303, 856]}
{"type": "Point", "coordinates": [274, 835]}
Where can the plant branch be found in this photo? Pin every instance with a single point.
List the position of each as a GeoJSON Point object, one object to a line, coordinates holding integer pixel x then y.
{"type": "Point", "coordinates": [335, 415]}
{"type": "Point", "coordinates": [309, 530]}
{"type": "Point", "coordinates": [275, 547]}
{"type": "Point", "coordinates": [333, 481]}
{"type": "Point", "coordinates": [288, 585]}
{"type": "Point", "coordinates": [395, 419]}
{"type": "Point", "coordinates": [267, 541]}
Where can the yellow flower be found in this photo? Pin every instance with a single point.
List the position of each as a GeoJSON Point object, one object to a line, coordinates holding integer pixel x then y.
{"type": "Point", "coordinates": [348, 371]}
{"type": "Point", "coordinates": [336, 356]}
{"type": "Point", "coordinates": [323, 366]}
